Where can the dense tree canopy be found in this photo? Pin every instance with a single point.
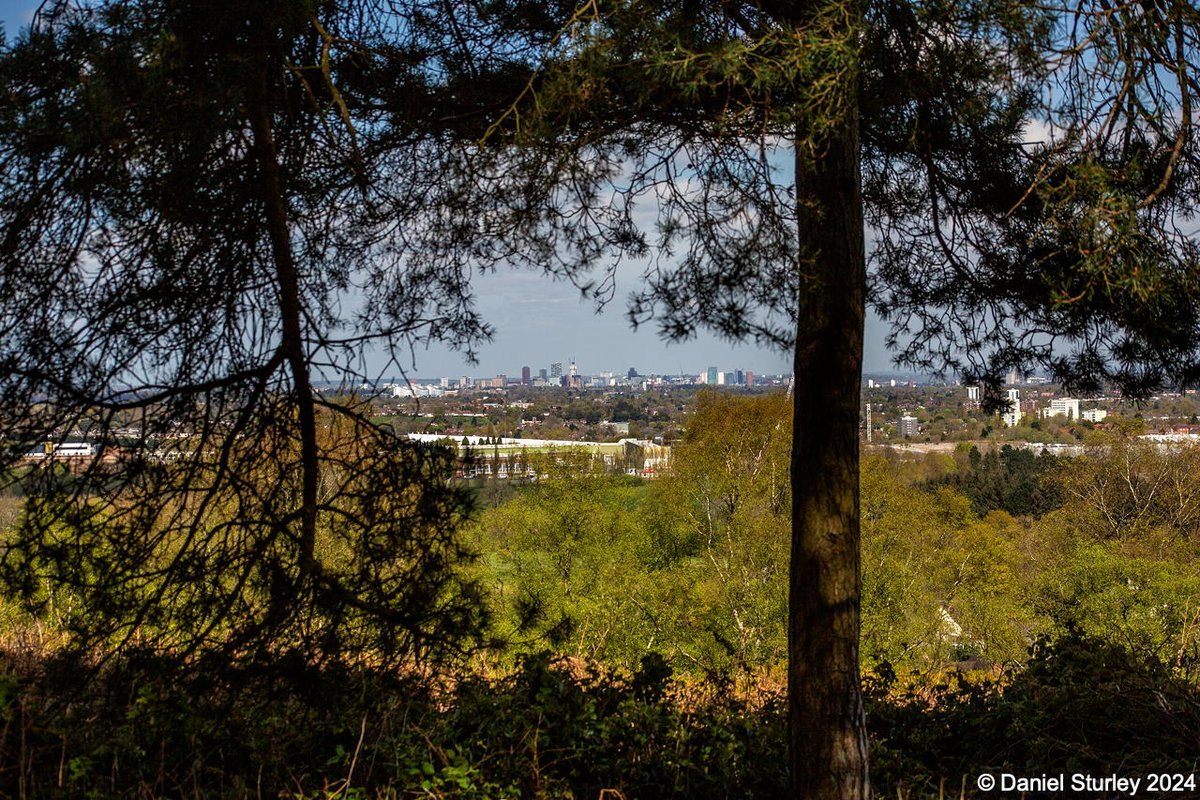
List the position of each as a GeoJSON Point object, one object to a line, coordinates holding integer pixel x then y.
{"type": "Point", "coordinates": [205, 209]}
{"type": "Point", "coordinates": [1068, 242]}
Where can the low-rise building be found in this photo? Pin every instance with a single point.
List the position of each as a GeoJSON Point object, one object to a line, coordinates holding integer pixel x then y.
{"type": "Point", "coordinates": [1063, 407]}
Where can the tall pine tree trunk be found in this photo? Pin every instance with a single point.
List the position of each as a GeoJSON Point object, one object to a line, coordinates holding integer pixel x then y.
{"type": "Point", "coordinates": [826, 723]}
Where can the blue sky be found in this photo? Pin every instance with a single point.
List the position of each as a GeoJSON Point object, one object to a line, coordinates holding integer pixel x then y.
{"type": "Point", "coordinates": [539, 321]}
{"type": "Point", "coordinates": [15, 14]}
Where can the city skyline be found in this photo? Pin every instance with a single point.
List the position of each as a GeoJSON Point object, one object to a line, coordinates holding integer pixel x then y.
{"type": "Point", "coordinates": [539, 321]}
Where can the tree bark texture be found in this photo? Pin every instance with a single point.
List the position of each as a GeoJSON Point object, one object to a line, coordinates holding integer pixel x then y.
{"type": "Point", "coordinates": [826, 721]}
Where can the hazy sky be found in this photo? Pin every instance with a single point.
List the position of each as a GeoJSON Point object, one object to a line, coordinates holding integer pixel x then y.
{"type": "Point", "coordinates": [538, 322]}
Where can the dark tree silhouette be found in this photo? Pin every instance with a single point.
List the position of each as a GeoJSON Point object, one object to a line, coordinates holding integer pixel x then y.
{"type": "Point", "coordinates": [206, 208]}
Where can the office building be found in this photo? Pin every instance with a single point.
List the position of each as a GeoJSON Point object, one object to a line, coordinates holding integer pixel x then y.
{"type": "Point", "coordinates": [1064, 407]}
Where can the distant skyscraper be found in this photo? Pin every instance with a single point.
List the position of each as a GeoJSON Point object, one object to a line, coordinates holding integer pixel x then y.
{"type": "Point", "coordinates": [721, 378]}
{"type": "Point", "coordinates": [633, 373]}
{"type": "Point", "coordinates": [556, 371]}
{"type": "Point", "coordinates": [739, 378]}
{"type": "Point", "coordinates": [542, 374]}
{"type": "Point", "coordinates": [525, 375]}
{"type": "Point", "coordinates": [749, 377]}
{"type": "Point", "coordinates": [712, 376]}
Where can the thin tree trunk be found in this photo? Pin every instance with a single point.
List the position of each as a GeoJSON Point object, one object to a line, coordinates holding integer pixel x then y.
{"type": "Point", "coordinates": [290, 310]}
{"type": "Point", "coordinates": [826, 723]}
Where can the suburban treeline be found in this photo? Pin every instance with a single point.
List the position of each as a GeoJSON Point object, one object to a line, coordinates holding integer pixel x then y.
{"type": "Point", "coordinates": [637, 640]}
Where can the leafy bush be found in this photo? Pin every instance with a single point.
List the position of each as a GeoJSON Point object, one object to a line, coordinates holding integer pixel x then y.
{"type": "Point", "coordinates": [557, 728]}
{"type": "Point", "coordinates": [135, 727]}
{"type": "Point", "coordinates": [1079, 705]}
